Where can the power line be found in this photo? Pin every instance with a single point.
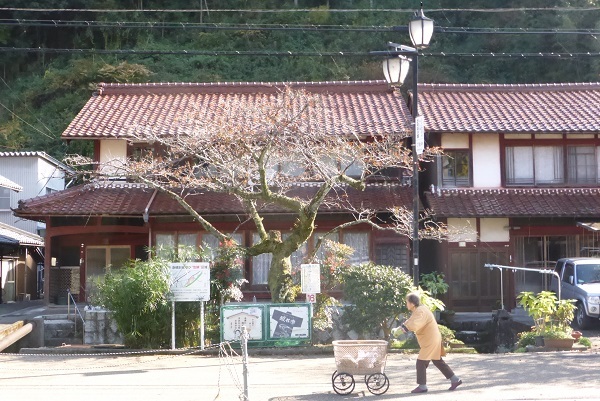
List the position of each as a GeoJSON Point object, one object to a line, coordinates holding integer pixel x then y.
{"type": "Point", "coordinates": [308, 10]}
{"type": "Point", "coordinates": [289, 53]}
{"type": "Point", "coordinates": [282, 27]}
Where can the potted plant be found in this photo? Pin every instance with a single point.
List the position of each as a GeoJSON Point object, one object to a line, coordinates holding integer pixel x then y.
{"type": "Point", "coordinates": [551, 317]}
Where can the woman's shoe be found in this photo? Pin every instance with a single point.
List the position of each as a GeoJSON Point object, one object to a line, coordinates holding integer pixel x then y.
{"type": "Point", "coordinates": [419, 390]}
{"type": "Point", "coordinates": [454, 385]}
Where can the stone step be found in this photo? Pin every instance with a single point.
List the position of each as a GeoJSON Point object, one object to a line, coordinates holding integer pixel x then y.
{"type": "Point", "coordinates": [57, 342]}
{"type": "Point", "coordinates": [60, 330]}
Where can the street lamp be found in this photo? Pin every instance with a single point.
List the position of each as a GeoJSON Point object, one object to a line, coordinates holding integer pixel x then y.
{"type": "Point", "coordinates": [395, 70]}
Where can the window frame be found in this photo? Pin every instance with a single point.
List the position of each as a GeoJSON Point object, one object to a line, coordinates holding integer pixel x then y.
{"type": "Point", "coordinates": [564, 175]}
{"type": "Point", "coordinates": [5, 196]}
{"type": "Point", "coordinates": [454, 183]}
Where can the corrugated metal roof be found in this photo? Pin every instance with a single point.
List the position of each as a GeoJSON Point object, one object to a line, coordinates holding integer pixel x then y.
{"type": "Point", "coordinates": [6, 183]}
{"type": "Point", "coordinates": [23, 237]}
{"type": "Point", "coordinates": [39, 154]}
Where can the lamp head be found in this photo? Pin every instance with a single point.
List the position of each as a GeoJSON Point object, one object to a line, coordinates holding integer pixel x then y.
{"type": "Point", "coordinates": [420, 29]}
{"type": "Point", "coordinates": [395, 69]}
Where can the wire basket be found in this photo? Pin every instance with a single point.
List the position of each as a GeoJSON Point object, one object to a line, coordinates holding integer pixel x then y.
{"type": "Point", "coordinates": [360, 357]}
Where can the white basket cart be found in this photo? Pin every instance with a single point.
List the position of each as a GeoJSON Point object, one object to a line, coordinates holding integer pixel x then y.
{"type": "Point", "coordinates": [360, 357]}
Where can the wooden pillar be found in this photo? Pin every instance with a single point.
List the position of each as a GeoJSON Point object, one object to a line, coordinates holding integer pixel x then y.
{"type": "Point", "coordinates": [47, 261]}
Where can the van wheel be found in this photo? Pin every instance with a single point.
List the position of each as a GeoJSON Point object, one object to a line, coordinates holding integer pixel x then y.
{"type": "Point", "coordinates": [582, 321]}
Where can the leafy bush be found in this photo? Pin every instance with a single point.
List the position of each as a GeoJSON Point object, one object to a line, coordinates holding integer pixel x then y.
{"type": "Point", "coordinates": [226, 273]}
{"type": "Point", "coordinates": [526, 338]}
{"type": "Point", "coordinates": [335, 260]}
{"type": "Point", "coordinates": [377, 294]}
{"type": "Point", "coordinates": [585, 342]}
{"type": "Point", "coordinates": [434, 283]}
{"type": "Point", "coordinates": [447, 334]}
{"type": "Point", "coordinates": [137, 296]}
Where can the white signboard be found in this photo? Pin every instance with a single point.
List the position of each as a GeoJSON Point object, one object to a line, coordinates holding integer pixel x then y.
{"type": "Point", "coordinates": [420, 134]}
{"type": "Point", "coordinates": [310, 279]}
{"type": "Point", "coordinates": [233, 319]}
{"type": "Point", "coordinates": [190, 282]}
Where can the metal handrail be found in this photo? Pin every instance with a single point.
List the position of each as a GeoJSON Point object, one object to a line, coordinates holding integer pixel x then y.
{"type": "Point", "coordinates": [76, 309]}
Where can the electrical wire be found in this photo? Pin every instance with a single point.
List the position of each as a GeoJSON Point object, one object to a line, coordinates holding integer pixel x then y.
{"type": "Point", "coordinates": [309, 10]}
{"type": "Point", "coordinates": [289, 53]}
{"type": "Point", "coordinates": [283, 27]}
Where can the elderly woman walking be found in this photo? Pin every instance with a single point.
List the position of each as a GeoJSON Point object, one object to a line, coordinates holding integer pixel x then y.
{"type": "Point", "coordinates": [423, 324]}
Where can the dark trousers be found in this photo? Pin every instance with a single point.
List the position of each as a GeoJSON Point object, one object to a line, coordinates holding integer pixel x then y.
{"type": "Point", "coordinates": [422, 369]}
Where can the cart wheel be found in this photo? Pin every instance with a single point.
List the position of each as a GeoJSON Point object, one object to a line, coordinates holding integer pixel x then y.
{"type": "Point", "coordinates": [343, 383]}
{"type": "Point", "coordinates": [333, 375]}
{"type": "Point", "coordinates": [377, 383]}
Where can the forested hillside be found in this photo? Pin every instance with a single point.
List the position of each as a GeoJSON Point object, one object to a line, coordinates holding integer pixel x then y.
{"type": "Point", "coordinates": [54, 52]}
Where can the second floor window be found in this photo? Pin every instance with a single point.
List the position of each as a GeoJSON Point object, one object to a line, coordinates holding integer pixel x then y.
{"type": "Point", "coordinates": [582, 164]}
{"type": "Point", "coordinates": [545, 165]}
{"type": "Point", "coordinates": [455, 168]}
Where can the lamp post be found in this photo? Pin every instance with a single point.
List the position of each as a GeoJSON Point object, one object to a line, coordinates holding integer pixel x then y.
{"type": "Point", "coordinates": [395, 69]}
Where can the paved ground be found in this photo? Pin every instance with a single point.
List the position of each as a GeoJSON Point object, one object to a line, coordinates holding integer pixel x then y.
{"type": "Point", "coordinates": [533, 376]}
{"type": "Point", "coordinates": [530, 376]}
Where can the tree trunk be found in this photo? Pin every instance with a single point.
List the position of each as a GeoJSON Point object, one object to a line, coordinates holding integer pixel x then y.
{"type": "Point", "coordinates": [280, 278]}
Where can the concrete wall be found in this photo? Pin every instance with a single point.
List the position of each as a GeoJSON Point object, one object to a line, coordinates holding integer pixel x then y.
{"type": "Point", "coordinates": [100, 328]}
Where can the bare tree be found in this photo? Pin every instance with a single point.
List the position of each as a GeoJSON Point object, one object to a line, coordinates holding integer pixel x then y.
{"type": "Point", "coordinates": [261, 155]}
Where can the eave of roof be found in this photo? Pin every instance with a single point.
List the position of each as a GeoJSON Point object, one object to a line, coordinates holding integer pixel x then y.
{"type": "Point", "coordinates": [125, 200]}
{"type": "Point", "coordinates": [518, 108]}
{"type": "Point", "coordinates": [353, 107]}
{"type": "Point", "coordinates": [6, 183]}
{"type": "Point", "coordinates": [23, 238]}
{"type": "Point", "coordinates": [42, 155]}
{"type": "Point", "coordinates": [509, 202]}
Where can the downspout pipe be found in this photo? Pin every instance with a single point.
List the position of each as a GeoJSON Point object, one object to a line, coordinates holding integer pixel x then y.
{"type": "Point", "coordinates": [16, 335]}
{"type": "Point", "coordinates": [146, 217]}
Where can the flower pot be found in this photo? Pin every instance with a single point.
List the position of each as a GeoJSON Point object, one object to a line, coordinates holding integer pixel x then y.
{"type": "Point", "coordinates": [539, 341]}
{"type": "Point", "coordinates": [558, 343]}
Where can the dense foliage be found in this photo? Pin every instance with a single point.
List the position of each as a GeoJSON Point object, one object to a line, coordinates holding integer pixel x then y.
{"type": "Point", "coordinates": [138, 297]}
{"type": "Point", "coordinates": [41, 90]}
{"type": "Point", "coordinates": [377, 295]}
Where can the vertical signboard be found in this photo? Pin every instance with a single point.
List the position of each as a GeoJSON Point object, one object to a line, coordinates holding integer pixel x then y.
{"type": "Point", "coordinates": [190, 282]}
{"type": "Point", "coordinates": [420, 134]}
{"type": "Point", "coordinates": [310, 280]}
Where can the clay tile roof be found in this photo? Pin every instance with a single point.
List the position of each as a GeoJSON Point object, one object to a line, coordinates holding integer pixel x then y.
{"type": "Point", "coordinates": [358, 107]}
{"type": "Point", "coordinates": [548, 108]}
{"type": "Point", "coordinates": [535, 202]}
{"type": "Point", "coordinates": [123, 199]}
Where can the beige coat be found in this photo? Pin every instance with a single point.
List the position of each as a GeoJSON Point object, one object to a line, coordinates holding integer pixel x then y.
{"type": "Point", "coordinates": [423, 323]}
